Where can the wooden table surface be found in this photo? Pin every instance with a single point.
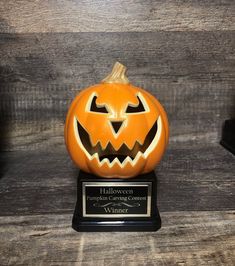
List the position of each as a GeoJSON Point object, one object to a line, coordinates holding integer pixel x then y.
{"type": "Point", "coordinates": [196, 202]}
{"type": "Point", "coordinates": [183, 52]}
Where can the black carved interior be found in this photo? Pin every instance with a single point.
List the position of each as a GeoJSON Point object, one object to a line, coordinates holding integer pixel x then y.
{"type": "Point", "coordinates": [96, 108]}
{"type": "Point", "coordinates": [109, 152]}
{"type": "Point", "coordinates": [136, 109]}
{"type": "Point", "coordinates": [116, 125]}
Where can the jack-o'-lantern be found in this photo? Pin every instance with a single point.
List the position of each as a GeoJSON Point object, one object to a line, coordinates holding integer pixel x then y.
{"type": "Point", "coordinates": [114, 129]}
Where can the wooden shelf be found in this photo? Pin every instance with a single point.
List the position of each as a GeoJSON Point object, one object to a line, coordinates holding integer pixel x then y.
{"type": "Point", "coordinates": [186, 238]}
{"type": "Point", "coordinates": [195, 195]}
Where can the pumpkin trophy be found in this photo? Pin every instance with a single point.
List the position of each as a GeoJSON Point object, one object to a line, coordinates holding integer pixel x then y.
{"type": "Point", "coordinates": [116, 134]}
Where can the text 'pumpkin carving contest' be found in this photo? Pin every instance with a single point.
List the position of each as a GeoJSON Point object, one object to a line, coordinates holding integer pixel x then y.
{"type": "Point", "coordinates": [114, 129]}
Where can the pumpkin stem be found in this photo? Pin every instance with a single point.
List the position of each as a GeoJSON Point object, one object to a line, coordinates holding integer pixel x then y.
{"type": "Point", "coordinates": [117, 75]}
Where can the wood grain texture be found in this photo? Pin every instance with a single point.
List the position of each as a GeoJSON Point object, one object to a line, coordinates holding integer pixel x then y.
{"type": "Point", "coordinates": [191, 73]}
{"type": "Point", "coordinates": [115, 16]}
{"type": "Point", "coordinates": [188, 179]}
{"type": "Point", "coordinates": [186, 238]}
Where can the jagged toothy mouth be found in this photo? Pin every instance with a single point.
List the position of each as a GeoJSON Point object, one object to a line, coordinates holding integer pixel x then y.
{"type": "Point", "coordinates": [124, 154]}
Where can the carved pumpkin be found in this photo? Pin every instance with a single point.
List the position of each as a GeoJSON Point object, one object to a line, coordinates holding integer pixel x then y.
{"type": "Point", "coordinates": [114, 129]}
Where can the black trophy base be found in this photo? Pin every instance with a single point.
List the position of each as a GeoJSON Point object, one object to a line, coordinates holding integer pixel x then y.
{"type": "Point", "coordinates": [228, 135]}
{"type": "Point", "coordinates": [126, 226]}
{"type": "Point", "coordinates": [105, 205]}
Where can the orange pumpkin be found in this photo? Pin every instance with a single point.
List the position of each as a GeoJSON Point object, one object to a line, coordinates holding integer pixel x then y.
{"type": "Point", "coordinates": [114, 129]}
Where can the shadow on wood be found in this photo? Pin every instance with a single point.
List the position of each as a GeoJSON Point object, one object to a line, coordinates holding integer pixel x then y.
{"type": "Point", "coordinates": [232, 114]}
{"type": "Point", "coordinates": [5, 106]}
{"type": "Point", "coordinates": [3, 133]}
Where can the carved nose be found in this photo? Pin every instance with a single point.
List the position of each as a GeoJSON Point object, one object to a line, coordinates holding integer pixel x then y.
{"type": "Point", "coordinates": [116, 125]}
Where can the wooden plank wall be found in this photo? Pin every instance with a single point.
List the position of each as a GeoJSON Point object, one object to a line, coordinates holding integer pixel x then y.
{"type": "Point", "coordinates": [181, 51]}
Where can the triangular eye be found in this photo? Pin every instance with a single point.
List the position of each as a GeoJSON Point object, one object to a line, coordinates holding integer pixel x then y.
{"type": "Point", "coordinates": [96, 108]}
{"type": "Point", "coordinates": [136, 109]}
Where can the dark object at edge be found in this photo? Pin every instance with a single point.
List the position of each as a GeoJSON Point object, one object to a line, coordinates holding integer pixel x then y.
{"type": "Point", "coordinates": [228, 135]}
